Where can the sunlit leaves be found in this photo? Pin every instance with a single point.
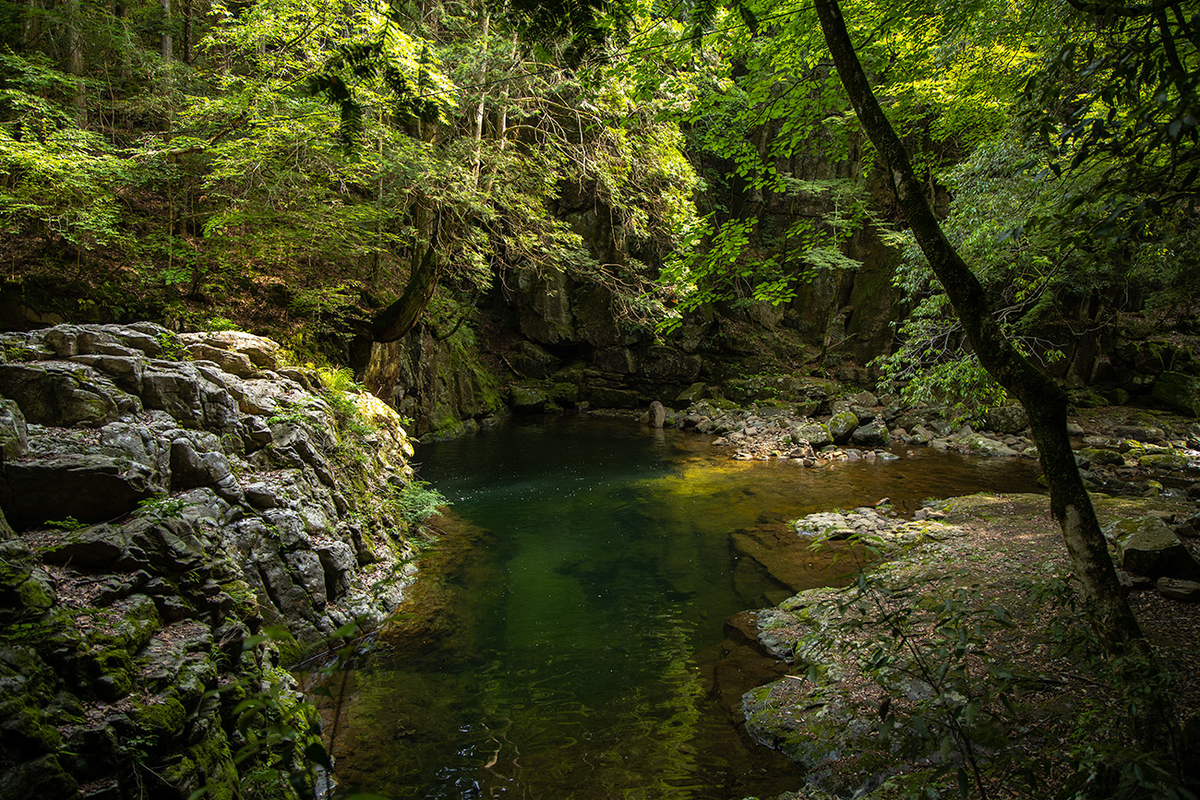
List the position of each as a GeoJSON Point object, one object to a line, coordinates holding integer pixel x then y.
{"type": "Point", "coordinates": [56, 178]}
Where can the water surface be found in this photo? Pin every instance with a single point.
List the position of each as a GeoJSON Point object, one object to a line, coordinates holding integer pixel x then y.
{"type": "Point", "coordinates": [567, 638]}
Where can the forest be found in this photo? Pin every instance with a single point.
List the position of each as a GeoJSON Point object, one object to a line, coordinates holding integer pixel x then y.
{"type": "Point", "coordinates": [292, 165]}
{"type": "Point", "coordinates": [491, 205]}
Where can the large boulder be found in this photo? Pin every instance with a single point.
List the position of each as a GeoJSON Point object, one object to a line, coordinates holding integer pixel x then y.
{"type": "Point", "coordinates": [1006, 419]}
{"type": "Point", "coordinates": [668, 365]}
{"type": "Point", "coordinates": [873, 434]}
{"type": "Point", "coordinates": [544, 306]}
{"type": "Point", "coordinates": [1102, 456]}
{"type": "Point", "coordinates": [86, 487]}
{"type": "Point", "coordinates": [259, 352]}
{"type": "Point", "coordinates": [1178, 391]}
{"type": "Point", "coordinates": [14, 434]}
{"type": "Point", "coordinates": [64, 395]}
{"type": "Point", "coordinates": [227, 360]}
{"type": "Point", "coordinates": [814, 433]}
{"type": "Point", "coordinates": [67, 341]}
{"type": "Point", "coordinates": [1139, 433]}
{"type": "Point", "coordinates": [658, 414]}
{"type": "Point", "coordinates": [532, 361]}
{"type": "Point", "coordinates": [1147, 546]}
{"type": "Point", "coordinates": [529, 399]}
{"type": "Point", "coordinates": [190, 397]}
{"type": "Point", "coordinates": [842, 425]}
{"type": "Point", "coordinates": [984, 445]}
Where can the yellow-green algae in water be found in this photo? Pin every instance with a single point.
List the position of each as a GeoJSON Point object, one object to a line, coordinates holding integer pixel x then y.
{"type": "Point", "coordinates": [564, 640]}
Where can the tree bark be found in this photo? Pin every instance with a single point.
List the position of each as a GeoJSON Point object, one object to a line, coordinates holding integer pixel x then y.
{"type": "Point", "coordinates": [1042, 398]}
{"type": "Point", "coordinates": [402, 316]}
{"type": "Point", "coordinates": [481, 106]}
{"type": "Point", "coordinates": [30, 27]}
{"type": "Point", "coordinates": [121, 12]}
{"type": "Point", "coordinates": [74, 42]}
{"type": "Point", "coordinates": [187, 31]}
{"type": "Point", "coordinates": [166, 43]}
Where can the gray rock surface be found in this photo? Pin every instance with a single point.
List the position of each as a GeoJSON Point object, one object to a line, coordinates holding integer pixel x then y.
{"type": "Point", "coordinates": [162, 512]}
{"type": "Point", "coordinates": [1147, 546]}
{"type": "Point", "coordinates": [841, 426]}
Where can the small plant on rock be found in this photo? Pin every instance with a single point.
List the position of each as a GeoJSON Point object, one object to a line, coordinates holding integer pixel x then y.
{"type": "Point", "coordinates": [161, 507]}
{"type": "Point", "coordinates": [417, 501]}
{"type": "Point", "coordinates": [67, 524]}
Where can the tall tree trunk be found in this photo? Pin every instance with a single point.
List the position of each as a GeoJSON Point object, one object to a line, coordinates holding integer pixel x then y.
{"type": "Point", "coordinates": [74, 42]}
{"type": "Point", "coordinates": [30, 28]}
{"type": "Point", "coordinates": [166, 45]}
{"type": "Point", "coordinates": [1044, 400]}
{"type": "Point", "coordinates": [502, 118]}
{"type": "Point", "coordinates": [481, 107]}
{"type": "Point", "coordinates": [501, 129]}
{"type": "Point", "coordinates": [121, 12]}
{"type": "Point", "coordinates": [187, 31]}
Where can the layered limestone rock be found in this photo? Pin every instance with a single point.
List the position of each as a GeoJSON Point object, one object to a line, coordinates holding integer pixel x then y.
{"type": "Point", "coordinates": [171, 499]}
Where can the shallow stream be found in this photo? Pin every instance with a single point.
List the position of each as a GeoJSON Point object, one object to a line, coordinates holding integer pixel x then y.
{"type": "Point", "coordinates": [567, 637]}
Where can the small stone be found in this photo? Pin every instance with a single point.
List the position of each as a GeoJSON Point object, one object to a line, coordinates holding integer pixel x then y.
{"type": "Point", "coordinates": [1133, 583]}
{"type": "Point", "coordinates": [1176, 589]}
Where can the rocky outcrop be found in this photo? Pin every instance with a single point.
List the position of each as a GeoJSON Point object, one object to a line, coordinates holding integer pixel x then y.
{"type": "Point", "coordinates": [444, 387]}
{"type": "Point", "coordinates": [187, 515]}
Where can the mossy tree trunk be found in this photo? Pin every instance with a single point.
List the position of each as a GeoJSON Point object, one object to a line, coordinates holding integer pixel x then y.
{"type": "Point", "coordinates": [1043, 399]}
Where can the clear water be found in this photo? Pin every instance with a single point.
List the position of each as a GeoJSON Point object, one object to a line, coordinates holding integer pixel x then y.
{"type": "Point", "coordinates": [567, 637]}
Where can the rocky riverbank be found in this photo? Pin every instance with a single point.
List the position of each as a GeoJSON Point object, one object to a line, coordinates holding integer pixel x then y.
{"type": "Point", "coordinates": [965, 651]}
{"type": "Point", "coordinates": [962, 658]}
{"type": "Point", "coordinates": [185, 516]}
{"type": "Point", "coordinates": [1121, 450]}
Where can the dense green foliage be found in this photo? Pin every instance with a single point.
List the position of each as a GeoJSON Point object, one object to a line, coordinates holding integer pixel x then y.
{"type": "Point", "coordinates": [290, 164]}
{"type": "Point", "coordinates": [307, 156]}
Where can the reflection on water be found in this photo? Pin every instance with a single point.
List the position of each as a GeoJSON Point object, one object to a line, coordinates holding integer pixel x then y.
{"type": "Point", "coordinates": [567, 638]}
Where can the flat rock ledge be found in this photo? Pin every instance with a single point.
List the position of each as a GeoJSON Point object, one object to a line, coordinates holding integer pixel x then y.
{"type": "Point", "coordinates": [169, 499]}
{"type": "Point", "coordinates": [857, 712]}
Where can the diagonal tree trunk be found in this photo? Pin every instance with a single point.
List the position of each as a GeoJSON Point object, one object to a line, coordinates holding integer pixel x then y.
{"type": "Point", "coordinates": [1043, 399]}
{"type": "Point", "coordinates": [402, 316]}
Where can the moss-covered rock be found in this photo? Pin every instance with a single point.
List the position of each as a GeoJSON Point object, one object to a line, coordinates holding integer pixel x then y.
{"type": "Point", "coordinates": [1163, 461]}
{"type": "Point", "coordinates": [162, 717]}
{"type": "Point", "coordinates": [1102, 456]}
{"type": "Point", "coordinates": [108, 669]}
{"type": "Point", "coordinates": [841, 426]}
{"type": "Point", "coordinates": [1178, 391]}
{"type": "Point", "coordinates": [1147, 546]}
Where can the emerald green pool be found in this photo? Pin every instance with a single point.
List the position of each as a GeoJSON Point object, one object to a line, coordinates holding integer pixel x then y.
{"type": "Point", "coordinates": [566, 638]}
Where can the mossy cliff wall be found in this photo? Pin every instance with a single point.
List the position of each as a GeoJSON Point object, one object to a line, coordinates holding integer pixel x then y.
{"type": "Point", "coordinates": [167, 498]}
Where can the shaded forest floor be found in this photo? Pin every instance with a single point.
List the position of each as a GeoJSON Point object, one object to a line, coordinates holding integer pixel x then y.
{"type": "Point", "coordinates": [965, 665]}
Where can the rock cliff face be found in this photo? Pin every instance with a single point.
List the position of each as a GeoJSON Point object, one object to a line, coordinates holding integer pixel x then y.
{"type": "Point", "coordinates": [168, 498]}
